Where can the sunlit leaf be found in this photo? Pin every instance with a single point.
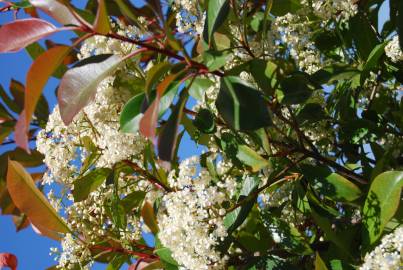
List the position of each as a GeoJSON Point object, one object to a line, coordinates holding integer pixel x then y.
{"type": "Point", "coordinates": [32, 202]}
{"type": "Point", "coordinates": [381, 204]}
{"type": "Point", "coordinates": [147, 212]}
{"type": "Point", "coordinates": [38, 74]}
{"type": "Point", "coordinates": [18, 34]}
{"type": "Point", "coordinates": [78, 86]}
{"type": "Point", "coordinates": [83, 186]}
{"type": "Point", "coordinates": [101, 24]}
{"type": "Point", "coordinates": [57, 10]}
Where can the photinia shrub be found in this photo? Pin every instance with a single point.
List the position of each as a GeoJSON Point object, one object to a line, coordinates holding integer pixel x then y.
{"type": "Point", "coordinates": [294, 107]}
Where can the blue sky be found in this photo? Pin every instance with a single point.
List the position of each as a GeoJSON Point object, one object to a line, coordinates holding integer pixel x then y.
{"type": "Point", "coordinates": [31, 249]}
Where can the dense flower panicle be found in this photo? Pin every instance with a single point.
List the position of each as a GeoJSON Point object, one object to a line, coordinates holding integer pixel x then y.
{"type": "Point", "coordinates": [393, 50]}
{"type": "Point", "coordinates": [192, 223]}
{"type": "Point", "coordinates": [388, 255]}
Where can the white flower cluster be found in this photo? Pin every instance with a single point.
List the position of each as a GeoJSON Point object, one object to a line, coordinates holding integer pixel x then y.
{"type": "Point", "coordinates": [388, 255]}
{"type": "Point", "coordinates": [393, 50]}
{"type": "Point", "coordinates": [192, 223]}
{"type": "Point", "coordinates": [188, 17]}
{"type": "Point", "coordinates": [336, 9]}
{"type": "Point", "coordinates": [73, 254]}
{"type": "Point", "coordinates": [296, 30]}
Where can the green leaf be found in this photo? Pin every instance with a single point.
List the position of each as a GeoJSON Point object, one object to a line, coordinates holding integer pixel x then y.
{"type": "Point", "coordinates": [131, 114]}
{"type": "Point", "coordinates": [155, 74]}
{"type": "Point", "coordinates": [133, 200]}
{"type": "Point", "coordinates": [261, 71]}
{"type": "Point", "coordinates": [29, 200]}
{"type": "Point", "coordinates": [296, 88]}
{"type": "Point", "coordinates": [205, 121]}
{"type": "Point", "coordinates": [165, 255]}
{"type": "Point", "coordinates": [250, 158]}
{"type": "Point", "coordinates": [78, 85]}
{"type": "Point", "coordinates": [199, 87]}
{"type": "Point", "coordinates": [286, 235]}
{"type": "Point", "coordinates": [117, 262]}
{"type": "Point", "coordinates": [235, 218]}
{"type": "Point", "coordinates": [381, 204]}
{"type": "Point", "coordinates": [282, 7]}
{"type": "Point", "coordinates": [214, 59]}
{"type": "Point", "coordinates": [217, 12]}
{"type": "Point", "coordinates": [363, 35]}
{"type": "Point", "coordinates": [310, 113]}
{"type": "Point", "coordinates": [147, 212]}
{"type": "Point", "coordinates": [319, 263]}
{"type": "Point", "coordinates": [331, 184]}
{"type": "Point", "coordinates": [83, 186]}
{"type": "Point", "coordinates": [241, 106]}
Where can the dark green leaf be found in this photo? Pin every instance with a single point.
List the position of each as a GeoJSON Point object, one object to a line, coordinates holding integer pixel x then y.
{"type": "Point", "coordinates": [241, 106]}
{"type": "Point", "coordinates": [217, 12]}
{"type": "Point", "coordinates": [296, 88]}
{"type": "Point", "coordinates": [331, 184]}
{"type": "Point", "coordinates": [205, 121]}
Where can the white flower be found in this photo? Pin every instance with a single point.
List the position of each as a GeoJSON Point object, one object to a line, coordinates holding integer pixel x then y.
{"type": "Point", "coordinates": [388, 255]}
{"type": "Point", "coordinates": [393, 50]}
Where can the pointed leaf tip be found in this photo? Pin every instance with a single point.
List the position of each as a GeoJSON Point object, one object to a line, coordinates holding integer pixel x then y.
{"type": "Point", "coordinates": [20, 33]}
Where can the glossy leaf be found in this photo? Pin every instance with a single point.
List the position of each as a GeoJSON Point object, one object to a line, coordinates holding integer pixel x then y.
{"type": "Point", "coordinates": [78, 86]}
{"type": "Point", "coordinates": [83, 186]}
{"type": "Point", "coordinates": [32, 202]}
{"type": "Point", "coordinates": [241, 106]}
{"type": "Point", "coordinates": [217, 12]}
{"type": "Point", "coordinates": [38, 74]}
{"type": "Point", "coordinates": [148, 123]}
{"type": "Point", "coordinates": [147, 212]}
{"type": "Point", "coordinates": [8, 260]}
{"type": "Point", "coordinates": [381, 204]}
{"type": "Point", "coordinates": [250, 158]}
{"type": "Point", "coordinates": [155, 74]}
{"type": "Point", "coordinates": [331, 184]}
{"type": "Point", "coordinates": [57, 10]}
{"type": "Point", "coordinates": [101, 24]}
{"type": "Point", "coordinates": [18, 34]}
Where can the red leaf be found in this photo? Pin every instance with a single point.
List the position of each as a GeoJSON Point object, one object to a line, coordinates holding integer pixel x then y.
{"type": "Point", "coordinates": [78, 86]}
{"type": "Point", "coordinates": [38, 74]}
{"type": "Point", "coordinates": [8, 260]}
{"type": "Point", "coordinates": [57, 10]}
{"type": "Point", "coordinates": [21, 132]}
{"type": "Point", "coordinates": [148, 123]}
{"type": "Point", "coordinates": [19, 34]}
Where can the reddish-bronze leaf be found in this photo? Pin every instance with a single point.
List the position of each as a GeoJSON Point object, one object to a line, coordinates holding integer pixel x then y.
{"type": "Point", "coordinates": [20, 33]}
{"type": "Point", "coordinates": [147, 212]}
{"type": "Point", "coordinates": [29, 199]}
{"type": "Point", "coordinates": [78, 85]}
{"type": "Point", "coordinates": [101, 24]}
{"type": "Point", "coordinates": [8, 260]}
{"type": "Point", "coordinates": [21, 132]}
{"type": "Point", "coordinates": [57, 10]}
{"type": "Point", "coordinates": [148, 123]}
{"type": "Point", "coordinates": [40, 71]}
